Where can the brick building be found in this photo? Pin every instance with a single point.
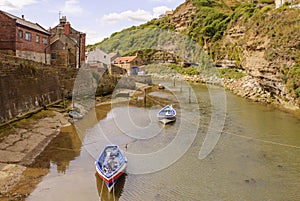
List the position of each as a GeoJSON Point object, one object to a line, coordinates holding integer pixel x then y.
{"type": "Point", "coordinates": [67, 45]}
{"type": "Point", "coordinates": [130, 64]}
{"type": "Point", "coordinates": [21, 38]}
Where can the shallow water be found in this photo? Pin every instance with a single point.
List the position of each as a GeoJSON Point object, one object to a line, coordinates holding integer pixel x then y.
{"type": "Point", "coordinates": [257, 156]}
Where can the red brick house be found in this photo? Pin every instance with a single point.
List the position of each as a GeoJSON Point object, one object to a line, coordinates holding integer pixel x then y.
{"type": "Point", "coordinates": [22, 38]}
{"type": "Point", "coordinates": [130, 64]}
{"type": "Point", "coordinates": [67, 45]}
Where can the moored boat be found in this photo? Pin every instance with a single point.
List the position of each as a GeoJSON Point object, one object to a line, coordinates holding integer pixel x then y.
{"type": "Point", "coordinates": [75, 114]}
{"type": "Point", "coordinates": [110, 165]}
{"type": "Point", "coordinates": [167, 114]}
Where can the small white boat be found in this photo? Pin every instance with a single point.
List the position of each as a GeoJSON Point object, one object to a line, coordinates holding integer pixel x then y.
{"type": "Point", "coordinates": [110, 165]}
{"type": "Point", "coordinates": [167, 114]}
{"type": "Point", "coordinates": [75, 115]}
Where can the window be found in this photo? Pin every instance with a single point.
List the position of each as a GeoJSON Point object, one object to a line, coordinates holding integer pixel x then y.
{"type": "Point", "coordinates": [45, 41]}
{"type": "Point", "coordinates": [53, 56]}
{"type": "Point", "coordinates": [20, 34]}
{"type": "Point", "coordinates": [37, 39]}
{"type": "Point", "coordinates": [28, 36]}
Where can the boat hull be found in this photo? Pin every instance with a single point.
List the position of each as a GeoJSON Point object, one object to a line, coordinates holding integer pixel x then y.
{"type": "Point", "coordinates": [110, 165]}
{"type": "Point", "coordinates": [110, 181]}
{"type": "Point", "coordinates": [167, 115]}
{"type": "Point", "coordinates": [167, 121]}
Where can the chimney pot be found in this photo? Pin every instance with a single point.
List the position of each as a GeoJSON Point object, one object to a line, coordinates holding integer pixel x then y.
{"type": "Point", "coordinates": [63, 20]}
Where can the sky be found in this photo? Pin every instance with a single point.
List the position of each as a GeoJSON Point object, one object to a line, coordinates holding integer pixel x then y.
{"type": "Point", "coordinates": [97, 18]}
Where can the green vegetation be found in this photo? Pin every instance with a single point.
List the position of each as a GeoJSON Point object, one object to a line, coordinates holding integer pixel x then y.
{"type": "Point", "coordinates": [230, 73]}
{"type": "Point", "coordinates": [167, 69]}
{"type": "Point", "coordinates": [250, 26]}
{"type": "Point", "coordinates": [184, 71]}
{"type": "Point", "coordinates": [162, 69]}
{"type": "Point", "coordinates": [207, 26]}
{"type": "Point", "coordinates": [292, 80]}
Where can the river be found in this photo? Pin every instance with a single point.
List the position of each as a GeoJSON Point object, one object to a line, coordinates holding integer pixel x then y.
{"type": "Point", "coordinates": [256, 156]}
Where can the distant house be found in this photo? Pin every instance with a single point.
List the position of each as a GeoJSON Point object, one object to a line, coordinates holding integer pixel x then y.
{"type": "Point", "coordinates": [130, 64]}
{"type": "Point", "coordinates": [98, 60]}
{"type": "Point", "coordinates": [22, 38]}
{"type": "Point", "coordinates": [67, 45]}
{"type": "Point", "coordinates": [98, 56]}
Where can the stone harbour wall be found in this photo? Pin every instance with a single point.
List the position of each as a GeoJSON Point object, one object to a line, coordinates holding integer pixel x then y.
{"type": "Point", "coordinates": [26, 86]}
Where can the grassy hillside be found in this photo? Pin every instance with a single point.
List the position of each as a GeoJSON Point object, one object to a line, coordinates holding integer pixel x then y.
{"type": "Point", "coordinates": [226, 29]}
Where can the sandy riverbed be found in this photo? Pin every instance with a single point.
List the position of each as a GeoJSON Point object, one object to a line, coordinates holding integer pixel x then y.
{"type": "Point", "coordinates": [23, 142]}
{"type": "Point", "coordinates": [20, 144]}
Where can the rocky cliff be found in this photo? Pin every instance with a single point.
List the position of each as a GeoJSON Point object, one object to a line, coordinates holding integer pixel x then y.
{"type": "Point", "coordinates": [259, 40]}
{"type": "Point", "coordinates": [268, 47]}
{"type": "Point", "coordinates": [255, 47]}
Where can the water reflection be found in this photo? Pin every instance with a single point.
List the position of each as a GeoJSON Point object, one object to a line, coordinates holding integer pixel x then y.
{"type": "Point", "coordinates": [115, 193]}
{"type": "Point", "coordinates": [58, 154]}
{"type": "Point", "coordinates": [243, 166]}
{"type": "Point", "coordinates": [60, 151]}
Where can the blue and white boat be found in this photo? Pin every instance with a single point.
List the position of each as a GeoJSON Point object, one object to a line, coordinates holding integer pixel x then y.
{"type": "Point", "coordinates": [167, 114]}
{"type": "Point", "coordinates": [75, 114]}
{"type": "Point", "coordinates": [110, 165]}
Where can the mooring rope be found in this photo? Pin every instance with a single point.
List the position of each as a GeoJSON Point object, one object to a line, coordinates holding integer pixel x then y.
{"type": "Point", "coordinates": [265, 141]}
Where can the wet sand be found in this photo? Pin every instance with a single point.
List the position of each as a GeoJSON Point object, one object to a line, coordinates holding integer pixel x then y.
{"type": "Point", "coordinates": [22, 143]}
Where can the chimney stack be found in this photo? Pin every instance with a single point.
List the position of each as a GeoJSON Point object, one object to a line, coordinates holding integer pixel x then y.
{"type": "Point", "coordinates": [67, 28]}
{"type": "Point", "coordinates": [63, 20]}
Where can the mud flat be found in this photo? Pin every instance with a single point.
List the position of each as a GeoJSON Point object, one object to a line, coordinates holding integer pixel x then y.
{"type": "Point", "coordinates": [21, 143]}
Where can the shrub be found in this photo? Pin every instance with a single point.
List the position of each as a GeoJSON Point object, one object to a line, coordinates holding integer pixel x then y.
{"type": "Point", "coordinates": [230, 73]}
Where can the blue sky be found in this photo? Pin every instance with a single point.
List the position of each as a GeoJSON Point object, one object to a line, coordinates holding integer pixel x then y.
{"type": "Point", "coordinates": [97, 18]}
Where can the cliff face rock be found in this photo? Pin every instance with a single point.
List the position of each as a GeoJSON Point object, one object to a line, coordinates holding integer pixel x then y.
{"type": "Point", "coordinates": [183, 16]}
{"type": "Point", "coordinates": [265, 48]}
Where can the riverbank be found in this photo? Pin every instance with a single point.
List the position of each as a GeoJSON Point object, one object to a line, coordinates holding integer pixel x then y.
{"type": "Point", "coordinates": [22, 142]}
{"type": "Point", "coordinates": [247, 87]}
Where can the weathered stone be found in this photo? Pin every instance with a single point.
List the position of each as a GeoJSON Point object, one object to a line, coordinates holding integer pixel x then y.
{"type": "Point", "coordinates": [9, 175]}
{"type": "Point", "coordinates": [10, 157]}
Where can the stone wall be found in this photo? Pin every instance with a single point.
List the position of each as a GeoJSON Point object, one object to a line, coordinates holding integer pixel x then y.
{"type": "Point", "coordinates": [146, 79]}
{"type": "Point", "coordinates": [26, 85]}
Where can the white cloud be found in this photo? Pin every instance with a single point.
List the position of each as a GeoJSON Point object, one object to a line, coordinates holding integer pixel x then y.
{"type": "Point", "coordinates": [138, 15]}
{"type": "Point", "coordinates": [8, 5]}
{"type": "Point", "coordinates": [93, 36]}
{"type": "Point", "coordinates": [72, 7]}
{"type": "Point", "coordinates": [160, 10]}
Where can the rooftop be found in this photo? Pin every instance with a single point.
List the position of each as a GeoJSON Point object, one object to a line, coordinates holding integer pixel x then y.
{"type": "Point", "coordinates": [23, 22]}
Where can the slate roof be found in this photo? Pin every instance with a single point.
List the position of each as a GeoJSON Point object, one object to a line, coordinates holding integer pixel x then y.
{"type": "Point", "coordinates": [28, 24]}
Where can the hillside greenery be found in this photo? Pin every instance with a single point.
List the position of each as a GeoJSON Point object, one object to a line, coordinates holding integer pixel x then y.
{"type": "Point", "coordinates": [209, 25]}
